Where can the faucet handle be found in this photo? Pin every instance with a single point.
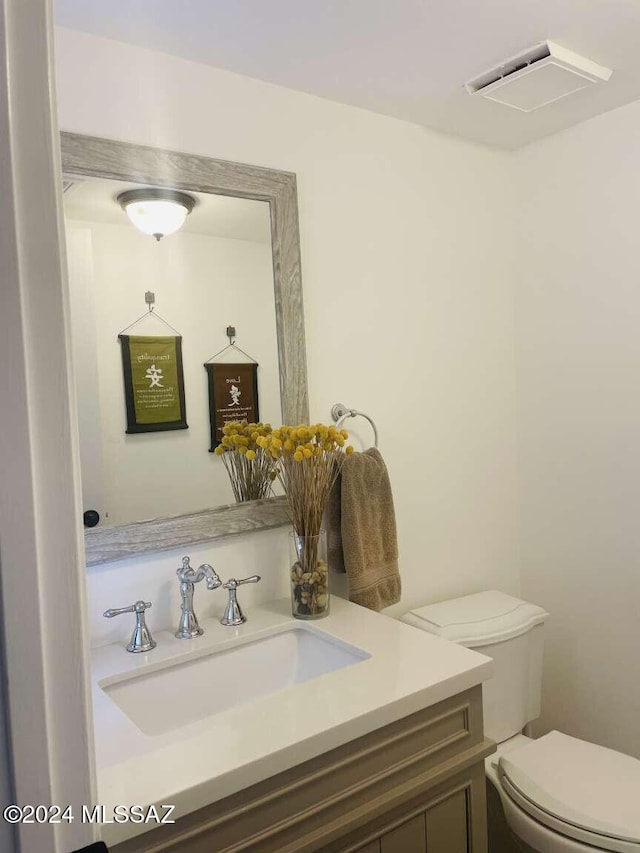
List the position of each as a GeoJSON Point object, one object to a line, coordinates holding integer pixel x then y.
{"type": "Point", "coordinates": [232, 583]}
{"type": "Point", "coordinates": [141, 640]}
{"type": "Point", "coordinates": [138, 607]}
{"type": "Point", "coordinates": [233, 615]}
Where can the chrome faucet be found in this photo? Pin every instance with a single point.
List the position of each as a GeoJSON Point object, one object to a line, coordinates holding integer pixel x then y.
{"type": "Point", "coordinates": [141, 641]}
{"type": "Point", "coordinates": [232, 614]}
{"type": "Point", "coordinates": [188, 626]}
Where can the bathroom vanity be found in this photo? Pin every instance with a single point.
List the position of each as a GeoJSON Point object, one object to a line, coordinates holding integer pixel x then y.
{"type": "Point", "coordinates": [352, 733]}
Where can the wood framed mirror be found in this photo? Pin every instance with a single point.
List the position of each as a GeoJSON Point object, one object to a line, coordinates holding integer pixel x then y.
{"type": "Point", "coordinates": [90, 157]}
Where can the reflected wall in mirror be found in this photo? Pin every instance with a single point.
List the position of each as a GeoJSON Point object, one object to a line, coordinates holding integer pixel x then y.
{"type": "Point", "coordinates": [235, 262]}
{"type": "Point", "coordinates": [217, 270]}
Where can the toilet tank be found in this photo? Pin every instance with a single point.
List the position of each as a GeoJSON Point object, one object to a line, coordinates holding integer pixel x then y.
{"type": "Point", "coordinates": [506, 629]}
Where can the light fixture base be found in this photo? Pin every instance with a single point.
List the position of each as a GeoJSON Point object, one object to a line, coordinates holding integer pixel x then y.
{"type": "Point", "coordinates": [156, 194]}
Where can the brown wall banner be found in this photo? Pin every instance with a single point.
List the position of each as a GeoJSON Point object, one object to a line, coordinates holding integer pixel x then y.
{"type": "Point", "coordinates": [233, 396]}
{"type": "Point", "coordinates": [153, 383]}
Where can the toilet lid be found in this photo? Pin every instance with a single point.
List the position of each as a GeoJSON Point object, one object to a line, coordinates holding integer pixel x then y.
{"type": "Point", "coordinates": [478, 620]}
{"type": "Point", "coordinates": [583, 789]}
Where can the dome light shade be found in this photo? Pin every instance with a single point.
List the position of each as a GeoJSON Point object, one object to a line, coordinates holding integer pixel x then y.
{"type": "Point", "coordinates": [157, 212]}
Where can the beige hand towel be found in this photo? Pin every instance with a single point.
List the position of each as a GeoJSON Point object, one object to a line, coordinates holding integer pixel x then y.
{"type": "Point", "coordinates": [361, 529]}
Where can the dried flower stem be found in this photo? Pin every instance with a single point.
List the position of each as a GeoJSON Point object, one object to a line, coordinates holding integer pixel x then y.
{"type": "Point", "coordinates": [250, 478]}
{"type": "Point", "coordinates": [250, 467]}
{"type": "Point", "coordinates": [309, 459]}
{"type": "Point", "coordinates": [307, 485]}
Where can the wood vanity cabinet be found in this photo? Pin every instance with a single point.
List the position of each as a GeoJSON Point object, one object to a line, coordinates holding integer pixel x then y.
{"type": "Point", "coordinates": [414, 786]}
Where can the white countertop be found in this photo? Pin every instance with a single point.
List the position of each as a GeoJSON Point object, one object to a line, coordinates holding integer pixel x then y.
{"type": "Point", "coordinates": [204, 761]}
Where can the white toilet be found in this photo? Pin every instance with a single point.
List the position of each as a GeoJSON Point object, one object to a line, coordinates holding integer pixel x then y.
{"type": "Point", "coordinates": [559, 794]}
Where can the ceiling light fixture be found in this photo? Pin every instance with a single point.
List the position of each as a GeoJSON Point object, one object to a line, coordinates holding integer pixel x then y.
{"type": "Point", "coordinates": [157, 212]}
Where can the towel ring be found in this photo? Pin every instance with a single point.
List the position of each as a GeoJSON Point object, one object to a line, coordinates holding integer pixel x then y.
{"type": "Point", "coordinates": [339, 413]}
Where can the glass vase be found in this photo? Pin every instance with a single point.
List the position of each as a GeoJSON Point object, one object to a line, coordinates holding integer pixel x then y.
{"type": "Point", "coordinates": [309, 576]}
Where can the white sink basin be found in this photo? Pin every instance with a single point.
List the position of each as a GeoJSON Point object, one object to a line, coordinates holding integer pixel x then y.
{"type": "Point", "coordinates": [187, 691]}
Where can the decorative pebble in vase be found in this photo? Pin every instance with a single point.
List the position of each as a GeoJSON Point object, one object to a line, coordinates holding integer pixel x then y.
{"type": "Point", "coordinates": [309, 576]}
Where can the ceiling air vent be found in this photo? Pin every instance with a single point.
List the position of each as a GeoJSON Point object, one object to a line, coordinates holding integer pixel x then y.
{"type": "Point", "coordinates": [538, 76]}
{"type": "Point", "coordinates": [69, 184]}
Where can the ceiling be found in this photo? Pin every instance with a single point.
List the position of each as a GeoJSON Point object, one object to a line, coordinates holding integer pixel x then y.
{"type": "Point", "coordinates": [403, 58]}
{"type": "Point", "coordinates": [94, 200]}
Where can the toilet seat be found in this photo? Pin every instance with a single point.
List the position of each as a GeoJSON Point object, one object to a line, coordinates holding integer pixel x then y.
{"type": "Point", "coordinates": [578, 789]}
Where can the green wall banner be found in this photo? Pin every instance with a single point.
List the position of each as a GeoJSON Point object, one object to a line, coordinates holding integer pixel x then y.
{"type": "Point", "coordinates": [153, 383]}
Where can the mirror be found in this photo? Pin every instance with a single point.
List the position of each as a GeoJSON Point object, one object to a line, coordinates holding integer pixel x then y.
{"type": "Point", "coordinates": [215, 271]}
{"type": "Point", "coordinates": [96, 170]}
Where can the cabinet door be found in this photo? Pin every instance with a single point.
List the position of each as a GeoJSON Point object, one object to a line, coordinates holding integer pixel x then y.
{"type": "Point", "coordinates": [448, 825]}
{"type": "Point", "coordinates": [374, 847]}
{"type": "Point", "coordinates": [410, 837]}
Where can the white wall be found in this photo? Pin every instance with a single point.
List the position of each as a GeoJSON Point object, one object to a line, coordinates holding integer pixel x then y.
{"type": "Point", "coordinates": [578, 334]}
{"type": "Point", "coordinates": [202, 284]}
{"type": "Point", "coordinates": [407, 263]}
{"type": "Point", "coordinates": [153, 577]}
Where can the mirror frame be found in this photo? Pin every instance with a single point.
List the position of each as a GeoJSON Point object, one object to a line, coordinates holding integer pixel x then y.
{"type": "Point", "coordinates": [88, 156]}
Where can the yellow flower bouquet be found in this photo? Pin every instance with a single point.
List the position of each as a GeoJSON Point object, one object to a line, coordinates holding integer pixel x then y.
{"type": "Point", "coordinates": [250, 467]}
{"type": "Point", "coordinates": [308, 461]}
